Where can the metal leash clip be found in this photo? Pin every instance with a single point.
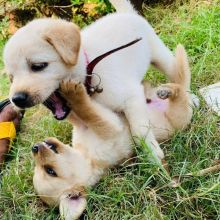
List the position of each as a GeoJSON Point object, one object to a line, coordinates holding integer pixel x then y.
{"type": "Point", "coordinates": [97, 88]}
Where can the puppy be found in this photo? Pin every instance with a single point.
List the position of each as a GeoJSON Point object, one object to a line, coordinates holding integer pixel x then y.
{"type": "Point", "coordinates": [46, 51]}
{"type": "Point", "coordinates": [102, 139]}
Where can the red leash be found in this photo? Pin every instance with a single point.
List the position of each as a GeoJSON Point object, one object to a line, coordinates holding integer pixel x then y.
{"type": "Point", "coordinates": [91, 65]}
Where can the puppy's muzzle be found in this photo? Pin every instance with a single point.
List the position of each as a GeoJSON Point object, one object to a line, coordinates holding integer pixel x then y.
{"type": "Point", "coordinates": [49, 145]}
{"type": "Point", "coordinates": [22, 100]}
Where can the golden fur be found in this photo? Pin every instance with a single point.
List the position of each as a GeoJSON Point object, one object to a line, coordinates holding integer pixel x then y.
{"type": "Point", "coordinates": [61, 38]}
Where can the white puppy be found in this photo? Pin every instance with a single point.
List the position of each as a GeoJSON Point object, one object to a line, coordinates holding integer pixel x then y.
{"type": "Point", "coordinates": [46, 51]}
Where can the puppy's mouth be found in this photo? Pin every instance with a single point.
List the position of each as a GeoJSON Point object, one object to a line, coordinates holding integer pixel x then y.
{"type": "Point", "coordinates": [58, 105]}
{"type": "Point", "coordinates": [51, 146]}
{"type": "Point", "coordinates": [45, 144]}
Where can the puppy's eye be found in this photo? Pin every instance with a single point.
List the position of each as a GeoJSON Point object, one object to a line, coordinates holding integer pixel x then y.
{"type": "Point", "coordinates": [50, 171]}
{"type": "Point", "coordinates": [36, 67]}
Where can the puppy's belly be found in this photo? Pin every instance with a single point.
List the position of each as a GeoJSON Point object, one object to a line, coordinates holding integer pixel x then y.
{"type": "Point", "coordinates": [161, 126]}
{"type": "Point", "coordinates": [109, 150]}
{"type": "Point", "coordinates": [157, 104]}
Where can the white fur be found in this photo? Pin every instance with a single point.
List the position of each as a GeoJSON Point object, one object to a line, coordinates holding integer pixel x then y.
{"type": "Point", "coordinates": [123, 6]}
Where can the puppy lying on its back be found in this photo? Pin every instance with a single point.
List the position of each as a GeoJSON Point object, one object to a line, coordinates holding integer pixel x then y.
{"type": "Point", "coordinates": [102, 139]}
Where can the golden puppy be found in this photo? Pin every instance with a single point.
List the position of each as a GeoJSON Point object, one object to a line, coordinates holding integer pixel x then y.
{"type": "Point", "coordinates": [102, 139]}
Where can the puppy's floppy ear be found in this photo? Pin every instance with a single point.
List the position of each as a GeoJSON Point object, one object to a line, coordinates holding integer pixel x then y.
{"type": "Point", "coordinates": [65, 38]}
{"type": "Point", "coordinates": [72, 204]}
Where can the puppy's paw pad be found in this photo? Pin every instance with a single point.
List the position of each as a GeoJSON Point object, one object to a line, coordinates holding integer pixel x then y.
{"type": "Point", "coordinates": [164, 93]}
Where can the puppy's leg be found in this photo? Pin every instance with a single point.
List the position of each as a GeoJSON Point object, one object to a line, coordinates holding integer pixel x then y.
{"type": "Point", "coordinates": [136, 114]}
{"type": "Point", "coordinates": [103, 122]}
{"type": "Point", "coordinates": [179, 111]}
{"type": "Point", "coordinates": [161, 56]}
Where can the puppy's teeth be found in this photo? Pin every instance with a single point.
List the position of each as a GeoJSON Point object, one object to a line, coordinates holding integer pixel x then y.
{"type": "Point", "coordinates": [46, 145]}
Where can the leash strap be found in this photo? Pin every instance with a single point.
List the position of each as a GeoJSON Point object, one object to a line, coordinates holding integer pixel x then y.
{"type": "Point", "coordinates": [91, 65]}
{"type": "Point", "coordinates": [4, 103]}
{"type": "Point", "coordinates": [7, 130]}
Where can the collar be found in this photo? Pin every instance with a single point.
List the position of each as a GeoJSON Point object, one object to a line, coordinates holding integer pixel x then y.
{"type": "Point", "coordinates": [91, 65]}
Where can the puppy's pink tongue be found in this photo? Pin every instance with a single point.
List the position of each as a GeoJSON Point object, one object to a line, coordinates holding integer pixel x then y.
{"type": "Point", "coordinates": [59, 113]}
{"type": "Point", "coordinates": [57, 104]}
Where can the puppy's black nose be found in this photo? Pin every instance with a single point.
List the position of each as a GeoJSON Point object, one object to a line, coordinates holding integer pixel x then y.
{"type": "Point", "coordinates": [35, 149]}
{"type": "Point", "coordinates": [20, 99]}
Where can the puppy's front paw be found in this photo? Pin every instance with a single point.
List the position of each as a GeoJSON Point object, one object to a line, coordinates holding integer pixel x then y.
{"type": "Point", "coordinates": [79, 89]}
{"type": "Point", "coordinates": [74, 92]}
{"type": "Point", "coordinates": [67, 87]}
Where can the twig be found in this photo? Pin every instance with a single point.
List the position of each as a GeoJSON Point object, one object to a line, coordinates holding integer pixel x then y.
{"type": "Point", "coordinates": [60, 6]}
{"type": "Point", "coordinates": [176, 180]}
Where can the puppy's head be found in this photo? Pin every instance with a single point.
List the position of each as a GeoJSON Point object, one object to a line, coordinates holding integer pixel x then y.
{"type": "Point", "coordinates": [37, 58]}
{"type": "Point", "coordinates": [60, 176]}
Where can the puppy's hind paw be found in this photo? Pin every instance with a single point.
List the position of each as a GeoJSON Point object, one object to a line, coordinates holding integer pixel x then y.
{"type": "Point", "coordinates": [164, 93]}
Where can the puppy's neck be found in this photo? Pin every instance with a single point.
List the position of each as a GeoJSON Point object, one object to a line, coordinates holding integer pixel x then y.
{"type": "Point", "coordinates": [96, 167]}
{"type": "Point", "coordinates": [78, 72]}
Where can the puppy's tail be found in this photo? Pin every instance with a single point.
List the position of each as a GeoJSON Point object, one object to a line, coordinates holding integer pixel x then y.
{"type": "Point", "coordinates": [123, 6]}
{"type": "Point", "coordinates": [183, 74]}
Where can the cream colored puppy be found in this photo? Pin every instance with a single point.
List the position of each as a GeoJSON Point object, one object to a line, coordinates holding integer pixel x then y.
{"type": "Point", "coordinates": [46, 51]}
{"type": "Point", "coordinates": [102, 139]}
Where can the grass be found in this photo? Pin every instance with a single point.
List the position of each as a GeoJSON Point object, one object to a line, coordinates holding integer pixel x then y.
{"type": "Point", "coordinates": [138, 190]}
